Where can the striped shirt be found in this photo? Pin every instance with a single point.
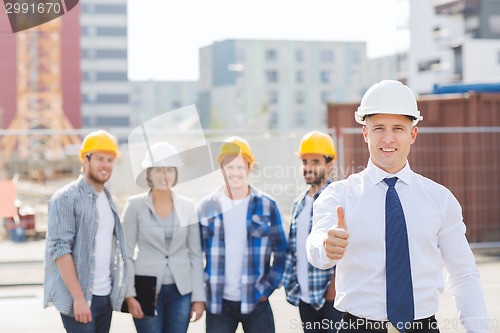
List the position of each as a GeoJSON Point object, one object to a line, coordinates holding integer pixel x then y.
{"type": "Point", "coordinates": [318, 279]}
{"type": "Point", "coordinates": [265, 237]}
{"type": "Point", "coordinates": [72, 227]}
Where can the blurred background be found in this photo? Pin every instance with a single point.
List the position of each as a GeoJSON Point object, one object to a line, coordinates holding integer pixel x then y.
{"type": "Point", "coordinates": [268, 72]}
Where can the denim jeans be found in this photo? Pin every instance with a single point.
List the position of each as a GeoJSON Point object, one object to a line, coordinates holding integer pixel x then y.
{"type": "Point", "coordinates": [173, 313]}
{"type": "Point", "coordinates": [325, 319]}
{"type": "Point", "coordinates": [101, 318]}
{"type": "Point", "coordinates": [260, 320]}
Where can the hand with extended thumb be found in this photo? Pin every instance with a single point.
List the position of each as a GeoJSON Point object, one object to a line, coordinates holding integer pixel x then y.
{"type": "Point", "coordinates": [336, 240]}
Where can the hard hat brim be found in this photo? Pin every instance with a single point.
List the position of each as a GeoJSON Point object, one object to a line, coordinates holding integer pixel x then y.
{"type": "Point", "coordinates": [361, 118]}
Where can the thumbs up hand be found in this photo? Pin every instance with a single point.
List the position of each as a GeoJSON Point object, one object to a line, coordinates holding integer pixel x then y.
{"type": "Point", "coordinates": [336, 241]}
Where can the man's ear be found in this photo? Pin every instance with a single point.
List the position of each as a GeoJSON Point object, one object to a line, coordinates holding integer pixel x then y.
{"type": "Point", "coordinates": [414, 132]}
{"type": "Point", "coordinates": [365, 133]}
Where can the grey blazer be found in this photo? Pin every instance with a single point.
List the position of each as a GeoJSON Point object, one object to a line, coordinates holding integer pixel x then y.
{"type": "Point", "coordinates": [143, 229]}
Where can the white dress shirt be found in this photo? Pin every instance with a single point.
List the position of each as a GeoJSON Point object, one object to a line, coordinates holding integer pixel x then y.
{"type": "Point", "coordinates": [436, 236]}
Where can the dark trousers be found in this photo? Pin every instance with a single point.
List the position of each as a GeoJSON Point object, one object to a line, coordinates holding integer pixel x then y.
{"type": "Point", "coordinates": [260, 320]}
{"type": "Point", "coordinates": [353, 324]}
{"type": "Point", "coordinates": [101, 318]}
{"type": "Point", "coordinates": [325, 319]}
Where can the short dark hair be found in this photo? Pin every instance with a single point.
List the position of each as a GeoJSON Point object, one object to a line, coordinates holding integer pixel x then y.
{"type": "Point", "coordinates": [374, 114]}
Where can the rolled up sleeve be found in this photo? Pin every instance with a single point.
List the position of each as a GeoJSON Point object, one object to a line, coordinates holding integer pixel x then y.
{"type": "Point", "coordinates": [62, 226]}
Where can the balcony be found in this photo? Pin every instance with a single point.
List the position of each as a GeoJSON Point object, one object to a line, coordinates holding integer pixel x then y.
{"type": "Point", "coordinates": [454, 7]}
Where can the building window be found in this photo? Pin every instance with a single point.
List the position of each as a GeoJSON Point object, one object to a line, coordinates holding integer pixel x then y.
{"type": "Point", "coordinates": [299, 76]}
{"type": "Point", "coordinates": [472, 25]}
{"type": "Point", "coordinates": [299, 56]}
{"type": "Point", "coordinates": [325, 97]}
{"type": "Point", "coordinates": [300, 118]}
{"type": "Point", "coordinates": [272, 76]}
{"type": "Point", "coordinates": [112, 76]}
{"type": "Point", "coordinates": [326, 56]}
{"type": "Point", "coordinates": [88, 53]}
{"type": "Point", "coordinates": [90, 98]}
{"type": "Point", "coordinates": [176, 104]}
{"type": "Point", "coordinates": [494, 24]}
{"type": "Point", "coordinates": [325, 76]}
{"type": "Point", "coordinates": [105, 9]}
{"type": "Point", "coordinates": [90, 31]}
{"type": "Point", "coordinates": [273, 119]}
{"type": "Point", "coordinates": [89, 76]}
{"type": "Point", "coordinates": [111, 31]}
{"type": "Point", "coordinates": [299, 97]}
{"type": "Point", "coordinates": [355, 57]}
{"type": "Point", "coordinates": [113, 121]}
{"type": "Point", "coordinates": [272, 97]}
{"type": "Point", "coordinates": [106, 99]}
{"type": "Point", "coordinates": [427, 65]}
{"type": "Point", "coordinates": [271, 55]}
{"type": "Point", "coordinates": [111, 54]}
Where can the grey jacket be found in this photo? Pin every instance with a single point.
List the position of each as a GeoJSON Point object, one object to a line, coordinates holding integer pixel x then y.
{"type": "Point", "coordinates": [143, 229]}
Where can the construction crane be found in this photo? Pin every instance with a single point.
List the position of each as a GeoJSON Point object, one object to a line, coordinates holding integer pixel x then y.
{"type": "Point", "coordinates": [39, 98]}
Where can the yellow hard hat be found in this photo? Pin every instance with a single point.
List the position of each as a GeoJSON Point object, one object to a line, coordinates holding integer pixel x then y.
{"type": "Point", "coordinates": [99, 141]}
{"type": "Point", "coordinates": [316, 142]}
{"type": "Point", "coordinates": [234, 146]}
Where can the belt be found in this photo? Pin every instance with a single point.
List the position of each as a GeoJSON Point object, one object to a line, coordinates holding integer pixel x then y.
{"type": "Point", "coordinates": [357, 323]}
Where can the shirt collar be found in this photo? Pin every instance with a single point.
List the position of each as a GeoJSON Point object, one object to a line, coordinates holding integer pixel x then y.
{"type": "Point", "coordinates": [376, 175]}
{"type": "Point", "coordinates": [254, 192]}
{"type": "Point", "coordinates": [86, 186]}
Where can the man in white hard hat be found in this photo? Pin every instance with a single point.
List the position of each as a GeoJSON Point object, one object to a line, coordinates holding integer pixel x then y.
{"type": "Point", "coordinates": [389, 230]}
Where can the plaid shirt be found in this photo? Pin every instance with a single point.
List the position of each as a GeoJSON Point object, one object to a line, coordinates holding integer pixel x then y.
{"type": "Point", "coordinates": [318, 279]}
{"type": "Point", "coordinates": [72, 228]}
{"type": "Point", "coordinates": [265, 235]}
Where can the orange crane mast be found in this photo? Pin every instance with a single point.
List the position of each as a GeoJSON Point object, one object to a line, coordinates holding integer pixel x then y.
{"type": "Point", "coordinates": [39, 98]}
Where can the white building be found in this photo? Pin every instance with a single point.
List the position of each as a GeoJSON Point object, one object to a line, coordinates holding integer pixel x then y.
{"type": "Point", "coordinates": [277, 84]}
{"type": "Point", "coordinates": [153, 98]}
{"type": "Point", "coordinates": [453, 41]}
{"type": "Point", "coordinates": [392, 67]}
{"type": "Point", "coordinates": [103, 41]}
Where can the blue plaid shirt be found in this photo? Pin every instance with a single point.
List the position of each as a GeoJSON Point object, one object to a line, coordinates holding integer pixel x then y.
{"type": "Point", "coordinates": [318, 279]}
{"type": "Point", "coordinates": [265, 236]}
{"type": "Point", "coordinates": [72, 228]}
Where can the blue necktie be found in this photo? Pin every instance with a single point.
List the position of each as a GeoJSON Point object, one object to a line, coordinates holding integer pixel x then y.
{"type": "Point", "coordinates": [399, 297]}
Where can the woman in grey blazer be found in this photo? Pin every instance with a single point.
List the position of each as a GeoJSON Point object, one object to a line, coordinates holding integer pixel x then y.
{"type": "Point", "coordinates": [163, 241]}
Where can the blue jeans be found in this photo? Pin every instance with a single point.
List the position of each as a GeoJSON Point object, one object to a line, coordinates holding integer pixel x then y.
{"type": "Point", "coordinates": [260, 320]}
{"type": "Point", "coordinates": [322, 320]}
{"type": "Point", "coordinates": [101, 318]}
{"type": "Point", "coordinates": [173, 313]}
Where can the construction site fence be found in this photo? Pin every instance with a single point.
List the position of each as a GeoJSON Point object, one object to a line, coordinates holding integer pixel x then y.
{"type": "Point", "coordinates": [464, 159]}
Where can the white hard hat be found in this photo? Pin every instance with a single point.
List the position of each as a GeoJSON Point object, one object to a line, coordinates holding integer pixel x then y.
{"type": "Point", "coordinates": [161, 154]}
{"type": "Point", "coordinates": [388, 97]}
